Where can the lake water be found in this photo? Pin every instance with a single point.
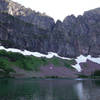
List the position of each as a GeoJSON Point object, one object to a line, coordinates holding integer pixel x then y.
{"type": "Point", "coordinates": [61, 89]}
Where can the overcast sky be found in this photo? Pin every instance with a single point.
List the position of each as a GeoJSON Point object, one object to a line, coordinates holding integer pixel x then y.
{"type": "Point", "coordinates": [59, 9]}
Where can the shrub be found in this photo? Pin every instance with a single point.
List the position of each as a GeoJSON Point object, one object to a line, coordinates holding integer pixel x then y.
{"type": "Point", "coordinates": [31, 62]}
{"type": "Point", "coordinates": [82, 76]}
{"type": "Point", "coordinates": [6, 66]}
{"type": "Point", "coordinates": [96, 73]}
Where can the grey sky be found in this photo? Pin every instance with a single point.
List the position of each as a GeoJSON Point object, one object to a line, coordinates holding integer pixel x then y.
{"type": "Point", "coordinates": [59, 9]}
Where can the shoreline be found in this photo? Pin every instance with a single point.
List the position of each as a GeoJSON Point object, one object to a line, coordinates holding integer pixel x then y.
{"type": "Point", "coordinates": [43, 78]}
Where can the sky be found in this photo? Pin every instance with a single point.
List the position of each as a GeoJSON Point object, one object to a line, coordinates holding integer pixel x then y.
{"type": "Point", "coordinates": [59, 9]}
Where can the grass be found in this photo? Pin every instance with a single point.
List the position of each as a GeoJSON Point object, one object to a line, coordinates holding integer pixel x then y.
{"type": "Point", "coordinates": [10, 59]}
{"type": "Point", "coordinates": [55, 61]}
{"type": "Point", "coordinates": [5, 65]}
{"type": "Point", "coordinates": [69, 63]}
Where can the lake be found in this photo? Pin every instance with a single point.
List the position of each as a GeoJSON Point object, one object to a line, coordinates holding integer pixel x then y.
{"type": "Point", "coordinates": [49, 89]}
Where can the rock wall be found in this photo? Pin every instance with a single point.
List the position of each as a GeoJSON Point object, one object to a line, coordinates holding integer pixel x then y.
{"type": "Point", "coordinates": [23, 28]}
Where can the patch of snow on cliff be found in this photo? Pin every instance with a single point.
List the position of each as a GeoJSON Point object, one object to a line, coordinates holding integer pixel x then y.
{"type": "Point", "coordinates": [96, 60]}
{"type": "Point", "coordinates": [83, 59]}
{"type": "Point", "coordinates": [36, 54]}
{"type": "Point", "coordinates": [80, 59]}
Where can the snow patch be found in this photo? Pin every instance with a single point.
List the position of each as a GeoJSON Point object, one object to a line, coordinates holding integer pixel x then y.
{"type": "Point", "coordinates": [83, 59]}
{"type": "Point", "coordinates": [96, 60]}
{"type": "Point", "coordinates": [36, 54]}
{"type": "Point", "coordinates": [80, 59]}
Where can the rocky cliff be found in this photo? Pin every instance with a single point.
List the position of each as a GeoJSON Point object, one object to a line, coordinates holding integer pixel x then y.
{"type": "Point", "coordinates": [23, 28]}
{"type": "Point", "coordinates": [28, 15]}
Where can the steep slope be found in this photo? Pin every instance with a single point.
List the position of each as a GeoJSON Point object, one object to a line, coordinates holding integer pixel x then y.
{"type": "Point", "coordinates": [25, 64]}
{"type": "Point", "coordinates": [26, 14]}
{"type": "Point", "coordinates": [17, 63]}
{"type": "Point", "coordinates": [18, 34]}
{"type": "Point", "coordinates": [27, 29]}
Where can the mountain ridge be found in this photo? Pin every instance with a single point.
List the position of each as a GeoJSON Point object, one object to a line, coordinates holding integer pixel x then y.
{"type": "Point", "coordinates": [26, 14]}
{"type": "Point", "coordinates": [72, 37]}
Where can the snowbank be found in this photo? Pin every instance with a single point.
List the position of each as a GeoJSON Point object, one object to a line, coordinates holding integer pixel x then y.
{"type": "Point", "coordinates": [36, 54]}
{"type": "Point", "coordinates": [83, 59]}
{"type": "Point", "coordinates": [80, 59]}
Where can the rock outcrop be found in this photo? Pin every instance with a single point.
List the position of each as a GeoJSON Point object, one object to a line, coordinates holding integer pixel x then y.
{"type": "Point", "coordinates": [23, 28]}
{"type": "Point", "coordinates": [26, 14]}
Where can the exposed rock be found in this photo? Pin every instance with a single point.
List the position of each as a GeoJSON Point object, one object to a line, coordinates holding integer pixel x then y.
{"type": "Point", "coordinates": [89, 68]}
{"type": "Point", "coordinates": [26, 29]}
{"type": "Point", "coordinates": [26, 14]}
{"type": "Point", "coordinates": [45, 72]}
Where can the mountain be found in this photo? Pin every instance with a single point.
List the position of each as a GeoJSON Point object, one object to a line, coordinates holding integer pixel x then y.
{"type": "Point", "coordinates": [27, 29]}
{"type": "Point", "coordinates": [41, 20]}
{"type": "Point", "coordinates": [25, 64]}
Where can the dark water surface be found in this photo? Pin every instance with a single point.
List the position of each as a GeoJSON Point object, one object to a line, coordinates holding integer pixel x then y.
{"type": "Point", "coordinates": [62, 89]}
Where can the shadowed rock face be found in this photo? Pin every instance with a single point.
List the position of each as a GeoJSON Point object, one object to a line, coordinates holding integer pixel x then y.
{"type": "Point", "coordinates": [27, 29]}
{"type": "Point", "coordinates": [89, 68]}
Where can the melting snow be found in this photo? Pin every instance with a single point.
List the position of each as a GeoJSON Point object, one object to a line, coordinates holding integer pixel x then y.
{"type": "Point", "coordinates": [36, 54]}
{"type": "Point", "coordinates": [82, 59]}
{"type": "Point", "coordinates": [79, 59]}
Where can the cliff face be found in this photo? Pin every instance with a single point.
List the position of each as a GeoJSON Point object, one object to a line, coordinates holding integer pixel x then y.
{"type": "Point", "coordinates": [23, 28]}
{"type": "Point", "coordinates": [26, 14]}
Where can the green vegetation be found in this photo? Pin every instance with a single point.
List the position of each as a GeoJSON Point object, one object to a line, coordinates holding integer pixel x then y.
{"type": "Point", "coordinates": [69, 63]}
{"type": "Point", "coordinates": [9, 59]}
{"type": "Point", "coordinates": [55, 61]}
{"type": "Point", "coordinates": [55, 77]}
{"type": "Point", "coordinates": [25, 62]}
{"type": "Point", "coordinates": [94, 75]}
{"type": "Point", "coordinates": [5, 65]}
{"type": "Point", "coordinates": [82, 76]}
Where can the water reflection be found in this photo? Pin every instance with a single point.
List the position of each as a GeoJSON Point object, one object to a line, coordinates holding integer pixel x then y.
{"type": "Point", "coordinates": [82, 94]}
{"type": "Point", "coordinates": [31, 89]}
{"type": "Point", "coordinates": [88, 89]}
